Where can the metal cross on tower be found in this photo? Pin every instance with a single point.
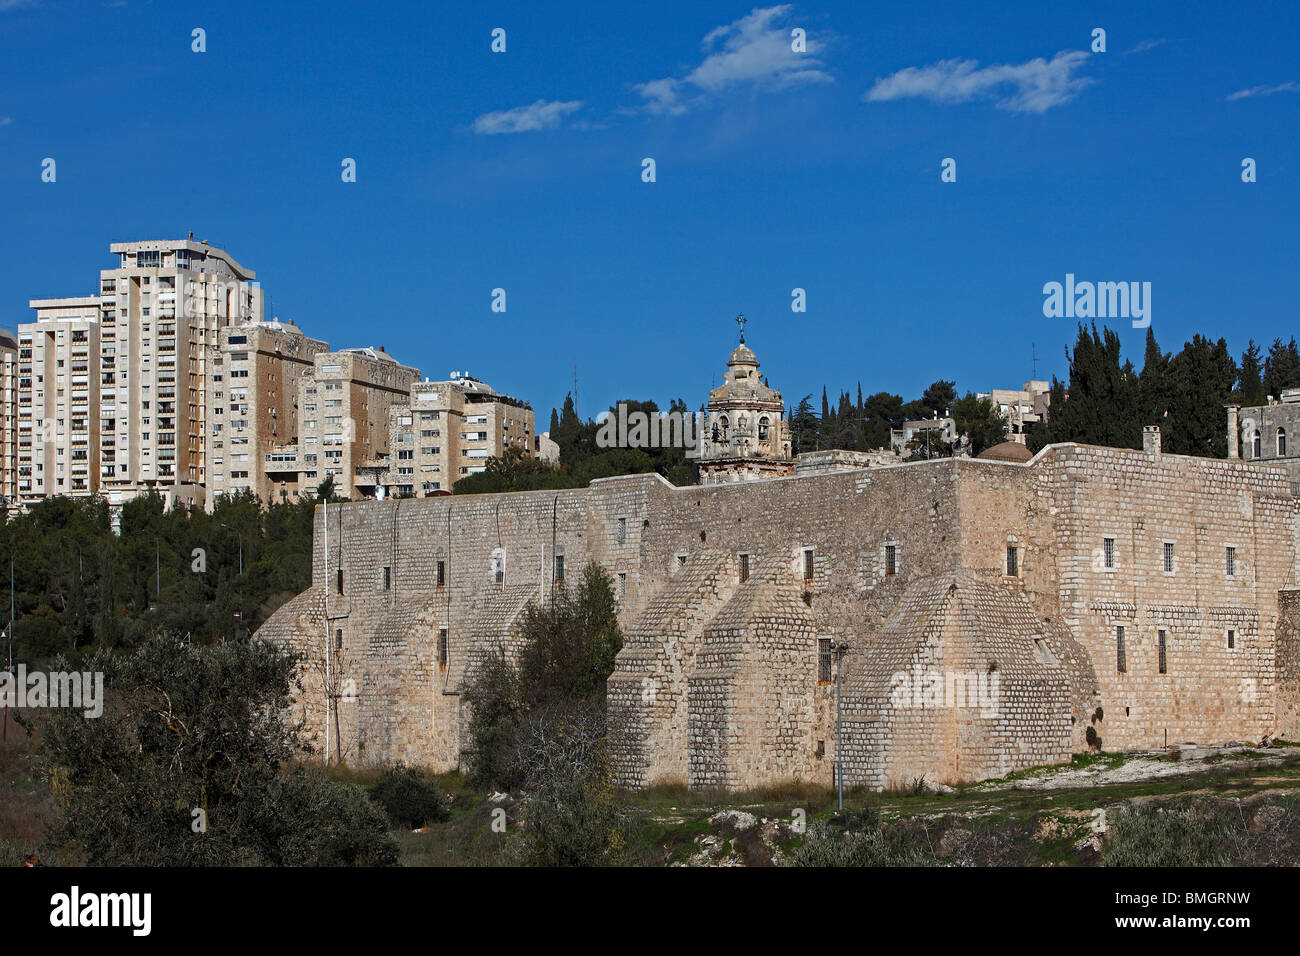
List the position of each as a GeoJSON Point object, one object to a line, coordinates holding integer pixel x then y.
{"type": "Point", "coordinates": [740, 321]}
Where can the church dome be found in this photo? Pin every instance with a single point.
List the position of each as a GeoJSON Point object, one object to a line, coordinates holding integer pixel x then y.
{"type": "Point", "coordinates": [743, 355]}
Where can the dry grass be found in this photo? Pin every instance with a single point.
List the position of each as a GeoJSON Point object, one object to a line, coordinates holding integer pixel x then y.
{"type": "Point", "coordinates": [26, 804]}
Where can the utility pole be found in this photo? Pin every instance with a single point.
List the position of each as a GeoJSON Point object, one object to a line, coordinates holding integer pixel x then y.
{"type": "Point", "coordinates": [241, 545]}
{"type": "Point", "coordinates": [840, 650]}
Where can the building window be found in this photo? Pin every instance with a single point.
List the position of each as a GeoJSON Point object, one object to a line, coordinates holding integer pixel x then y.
{"type": "Point", "coordinates": [442, 645]}
{"type": "Point", "coordinates": [339, 580]}
{"type": "Point", "coordinates": [622, 530]}
{"type": "Point", "coordinates": [1232, 639]}
{"type": "Point", "coordinates": [1281, 442]}
{"type": "Point", "coordinates": [1013, 560]}
{"type": "Point", "coordinates": [1230, 561]}
{"type": "Point", "coordinates": [1120, 664]}
{"type": "Point", "coordinates": [388, 578]}
{"type": "Point", "coordinates": [622, 585]}
{"type": "Point", "coordinates": [1169, 557]}
{"type": "Point", "coordinates": [807, 564]}
{"type": "Point", "coordinates": [1257, 445]}
{"type": "Point", "coordinates": [1108, 552]}
{"type": "Point", "coordinates": [891, 560]}
{"type": "Point", "coordinates": [1161, 635]}
{"type": "Point", "coordinates": [681, 560]}
{"type": "Point", "coordinates": [824, 661]}
{"type": "Point", "coordinates": [762, 428]}
{"type": "Point", "coordinates": [499, 568]}
{"type": "Point", "coordinates": [442, 573]}
{"type": "Point", "coordinates": [338, 639]}
{"type": "Point", "coordinates": [744, 568]}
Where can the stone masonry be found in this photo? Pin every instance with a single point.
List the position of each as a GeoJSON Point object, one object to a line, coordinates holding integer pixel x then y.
{"type": "Point", "coordinates": [982, 602]}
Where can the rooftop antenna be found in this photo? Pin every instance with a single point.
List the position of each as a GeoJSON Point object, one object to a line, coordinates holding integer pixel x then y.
{"type": "Point", "coordinates": [1034, 351]}
{"type": "Point", "coordinates": [575, 389]}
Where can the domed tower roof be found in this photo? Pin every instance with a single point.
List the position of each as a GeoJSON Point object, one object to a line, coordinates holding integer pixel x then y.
{"type": "Point", "coordinates": [743, 355]}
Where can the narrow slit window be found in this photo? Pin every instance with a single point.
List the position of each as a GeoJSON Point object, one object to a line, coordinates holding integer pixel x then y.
{"type": "Point", "coordinates": [1013, 560]}
{"type": "Point", "coordinates": [1169, 556]}
{"type": "Point", "coordinates": [1108, 552]}
{"type": "Point", "coordinates": [442, 644]}
{"type": "Point", "coordinates": [1232, 639]}
{"type": "Point", "coordinates": [1163, 662]}
{"type": "Point", "coordinates": [824, 661]}
{"type": "Point", "coordinates": [1120, 664]}
{"type": "Point", "coordinates": [744, 568]}
{"type": "Point", "coordinates": [1230, 561]}
{"type": "Point", "coordinates": [388, 578]}
{"type": "Point", "coordinates": [442, 573]}
{"type": "Point", "coordinates": [559, 569]}
{"type": "Point", "coordinates": [891, 560]}
{"type": "Point", "coordinates": [338, 578]}
{"type": "Point", "coordinates": [808, 564]}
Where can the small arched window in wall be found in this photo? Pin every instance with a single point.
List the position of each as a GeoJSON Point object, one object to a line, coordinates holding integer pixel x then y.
{"type": "Point", "coordinates": [762, 428]}
{"type": "Point", "coordinates": [1257, 449]}
{"type": "Point", "coordinates": [1281, 442]}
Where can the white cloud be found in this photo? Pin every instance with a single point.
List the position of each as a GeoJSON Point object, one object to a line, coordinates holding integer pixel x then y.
{"type": "Point", "coordinates": [6, 120]}
{"type": "Point", "coordinates": [6, 5]}
{"type": "Point", "coordinates": [1032, 87]}
{"type": "Point", "coordinates": [1147, 45]}
{"type": "Point", "coordinates": [1264, 90]}
{"type": "Point", "coordinates": [544, 114]}
{"type": "Point", "coordinates": [750, 52]}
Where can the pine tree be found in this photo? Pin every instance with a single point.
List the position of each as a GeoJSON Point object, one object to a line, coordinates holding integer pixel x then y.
{"type": "Point", "coordinates": [1281, 368]}
{"type": "Point", "coordinates": [1250, 382]}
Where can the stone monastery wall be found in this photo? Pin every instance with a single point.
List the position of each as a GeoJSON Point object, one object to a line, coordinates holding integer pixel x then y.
{"type": "Point", "coordinates": [726, 591]}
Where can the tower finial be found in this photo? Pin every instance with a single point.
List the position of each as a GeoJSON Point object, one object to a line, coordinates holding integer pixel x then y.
{"type": "Point", "coordinates": [740, 321]}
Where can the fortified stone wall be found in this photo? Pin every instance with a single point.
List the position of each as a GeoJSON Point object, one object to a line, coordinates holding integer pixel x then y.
{"type": "Point", "coordinates": [726, 591]}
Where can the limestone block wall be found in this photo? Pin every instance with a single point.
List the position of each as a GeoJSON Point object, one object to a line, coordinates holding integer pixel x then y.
{"type": "Point", "coordinates": [1210, 692]}
{"type": "Point", "coordinates": [647, 691]}
{"type": "Point", "coordinates": [751, 719]}
{"type": "Point", "coordinates": [734, 691]}
{"type": "Point", "coordinates": [1288, 665]}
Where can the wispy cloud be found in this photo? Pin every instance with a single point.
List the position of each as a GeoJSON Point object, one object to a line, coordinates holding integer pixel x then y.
{"type": "Point", "coordinates": [6, 5]}
{"type": "Point", "coordinates": [1032, 87]}
{"type": "Point", "coordinates": [6, 120]}
{"type": "Point", "coordinates": [544, 114]}
{"type": "Point", "coordinates": [1147, 45]}
{"type": "Point", "coordinates": [752, 52]}
{"type": "Point", "coordinates": [1264, 91]}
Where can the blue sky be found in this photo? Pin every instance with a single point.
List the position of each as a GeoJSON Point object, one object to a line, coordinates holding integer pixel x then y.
{"type": "Point", "coordinates": [775, 170]}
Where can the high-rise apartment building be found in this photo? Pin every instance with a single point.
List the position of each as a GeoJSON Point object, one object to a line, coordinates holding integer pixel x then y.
{"type": "Point", "coordinates": [162, 307]}
{"type": "Point", "coordinates": [443, 432]}
{"type": "Point", "coordinates": [252, 379]}
{"type": "Point", "coordinates": [8, 421]}
{"type": "Point", "coordinates": [58, 396]}
{"type": "Point", "coordinates": [343, 415]}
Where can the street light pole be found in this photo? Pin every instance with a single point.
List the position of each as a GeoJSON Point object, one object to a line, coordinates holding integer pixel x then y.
{"type": "Point", "coordinates": [840, 650]}
{"type": "Point", "coordinates": [241, 545]}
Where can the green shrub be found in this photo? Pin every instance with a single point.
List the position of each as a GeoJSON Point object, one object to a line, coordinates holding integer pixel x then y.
{"type": "Point", "coordinates": [860, 840]}
{"type": "Point", "coordinates": [409, 798]}
{"type": "Point", "coordinates": [315, 821]}
{"type": "Point", "coordinates": [1176, 833]}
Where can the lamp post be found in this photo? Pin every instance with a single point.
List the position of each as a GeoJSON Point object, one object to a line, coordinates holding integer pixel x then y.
{"type": "Point", "coordinates": [241, 545]}
{"type": "Point", "coordinates": [840, 650]}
